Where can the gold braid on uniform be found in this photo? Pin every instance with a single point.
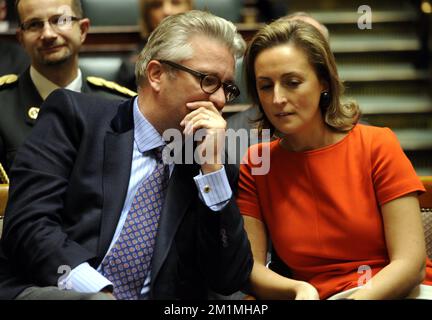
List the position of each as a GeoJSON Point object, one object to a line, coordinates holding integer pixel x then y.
{"type": "Point", "coordinates": [3, 175]}
{"type": "Point", "coordinates": [8, 79]}
{"type": "Point", "coordinates": [112, 86]}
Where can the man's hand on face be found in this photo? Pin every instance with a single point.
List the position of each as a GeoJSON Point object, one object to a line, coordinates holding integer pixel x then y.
{"type": "Point", "coordinates": [204, 115]}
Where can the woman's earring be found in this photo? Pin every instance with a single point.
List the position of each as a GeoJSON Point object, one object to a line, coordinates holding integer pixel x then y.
{"type": "Point", "coordinates": [325, 99]}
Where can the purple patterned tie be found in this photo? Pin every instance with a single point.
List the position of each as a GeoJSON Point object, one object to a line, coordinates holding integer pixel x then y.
{"type": "Point", "coordinates": [129, 260]}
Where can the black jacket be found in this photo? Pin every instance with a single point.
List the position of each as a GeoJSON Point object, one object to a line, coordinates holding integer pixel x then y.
{"type": "Point", "coordinates": [68, 185]}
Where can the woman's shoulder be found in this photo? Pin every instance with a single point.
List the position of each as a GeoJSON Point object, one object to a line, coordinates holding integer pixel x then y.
{"type": "Point", "coordinates": [381, 141]}
{"type": "Point", "coordinates": [370, 129]}
{"type": "Point", "coordinates": [375, 133]}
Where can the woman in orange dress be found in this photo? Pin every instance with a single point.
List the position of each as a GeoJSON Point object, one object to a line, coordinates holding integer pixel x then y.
{"type": "Point", "coordinates": [340, 200]}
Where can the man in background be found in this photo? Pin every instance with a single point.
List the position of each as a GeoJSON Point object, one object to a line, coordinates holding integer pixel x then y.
{"type": "Point", "coordinates": [52, 33]}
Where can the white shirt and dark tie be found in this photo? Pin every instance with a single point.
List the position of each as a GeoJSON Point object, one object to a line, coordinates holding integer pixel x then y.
{"type": "Point", "coordinates": [85, 278]}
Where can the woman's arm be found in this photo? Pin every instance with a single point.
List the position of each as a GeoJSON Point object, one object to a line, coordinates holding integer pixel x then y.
{"type": "Point", "coordinates": [264, 283]}
{"type": "Point", "coordinates": [406, 249]}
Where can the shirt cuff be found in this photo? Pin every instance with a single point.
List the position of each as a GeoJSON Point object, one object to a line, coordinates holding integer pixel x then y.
{"type": "Point", "coordinates": [84, 278]}
{"type": "Point", "coordinates": [214, 189]}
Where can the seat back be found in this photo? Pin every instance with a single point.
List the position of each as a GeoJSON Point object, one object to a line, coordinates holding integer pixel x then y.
{"type": "Point", "coordinates": [102, 66]}
{"type": "Point", "coordinates": [228, 9]}
{"type": "Point", "coordinates": [4, 189]}
{"type": "Point", "coordinates": [426, 211]}
{"type": "Point", "coordinates": [241, 83]}
{"type": "Point", "coordinates": [111, 12]}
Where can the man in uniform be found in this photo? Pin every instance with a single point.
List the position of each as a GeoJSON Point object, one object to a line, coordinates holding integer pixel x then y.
{"type": "Point", "coordinates": [51, 32]}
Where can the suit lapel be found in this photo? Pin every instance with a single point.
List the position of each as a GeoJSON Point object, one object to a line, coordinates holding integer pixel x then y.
{"type": "Point", "coordinates": [118, 149]}
{"type": "Point", "coordinates": [178, 198]}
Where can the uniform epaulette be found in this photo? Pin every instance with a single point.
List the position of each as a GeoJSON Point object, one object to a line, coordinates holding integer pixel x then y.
{"type": "Point", "coordinates": [100, 82]}
{"type": "Point", "coordinates": [8, 79]}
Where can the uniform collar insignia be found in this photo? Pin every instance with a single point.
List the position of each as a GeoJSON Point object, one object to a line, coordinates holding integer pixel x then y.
{"type": "Point", "coordinates": [33, 112]}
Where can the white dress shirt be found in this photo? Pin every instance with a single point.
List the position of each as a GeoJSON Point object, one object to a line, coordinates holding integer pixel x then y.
{"type": "Point", "coordinates": [45, 86]}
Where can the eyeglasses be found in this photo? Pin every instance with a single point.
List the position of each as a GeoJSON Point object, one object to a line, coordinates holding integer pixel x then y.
{"type": "Point", "coordinates": [209, 82]}
{"type": "Point", "coordinates": [58, 23]}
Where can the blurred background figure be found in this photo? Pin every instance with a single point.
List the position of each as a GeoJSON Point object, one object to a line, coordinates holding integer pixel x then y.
{"type": "Point", "coordinates": [52, 33]}
{"type": "Point", "coordinates": [13, 58]}
{"type": "Point", "coordinates": [3, 12]}
{"type": "Point", "coordinates": [152, 12]}
{"type": "Point", "coordinates": [306, 17]}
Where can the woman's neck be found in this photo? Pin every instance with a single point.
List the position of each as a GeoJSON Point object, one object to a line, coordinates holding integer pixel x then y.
{"type": "Point", "coordinates": [311, 138]}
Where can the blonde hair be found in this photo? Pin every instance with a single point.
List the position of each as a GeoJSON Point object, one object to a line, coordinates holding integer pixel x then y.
{"type": "Point", "coordinates": [340, 115]}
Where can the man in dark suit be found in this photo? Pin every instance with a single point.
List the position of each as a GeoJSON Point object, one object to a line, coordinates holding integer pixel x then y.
{"type": "Point", "coordinates": [80, 182]}
{"type": "Point", "coordinates": [52, 33]}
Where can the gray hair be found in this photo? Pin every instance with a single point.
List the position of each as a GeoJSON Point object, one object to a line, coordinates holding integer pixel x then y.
{"type": "Point", "coordinates": [170, 40]}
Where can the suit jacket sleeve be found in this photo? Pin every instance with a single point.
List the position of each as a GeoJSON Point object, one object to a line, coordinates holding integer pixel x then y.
{"type": "Point", "coordinates": [33, 237]}
{"type": "Point", "coordinates": [225, 251]}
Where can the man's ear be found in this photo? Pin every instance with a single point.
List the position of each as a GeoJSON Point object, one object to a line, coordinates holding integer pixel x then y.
{"type": "Point", "coordinates": [154, 74]}
{"type": "Point", "coordinates": [84, 25]}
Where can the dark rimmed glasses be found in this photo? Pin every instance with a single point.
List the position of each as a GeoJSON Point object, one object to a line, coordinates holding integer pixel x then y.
{"type": "Point", "coordinates": [209, 82]}
{"type": "Point", "coordinates": [58, 23]}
